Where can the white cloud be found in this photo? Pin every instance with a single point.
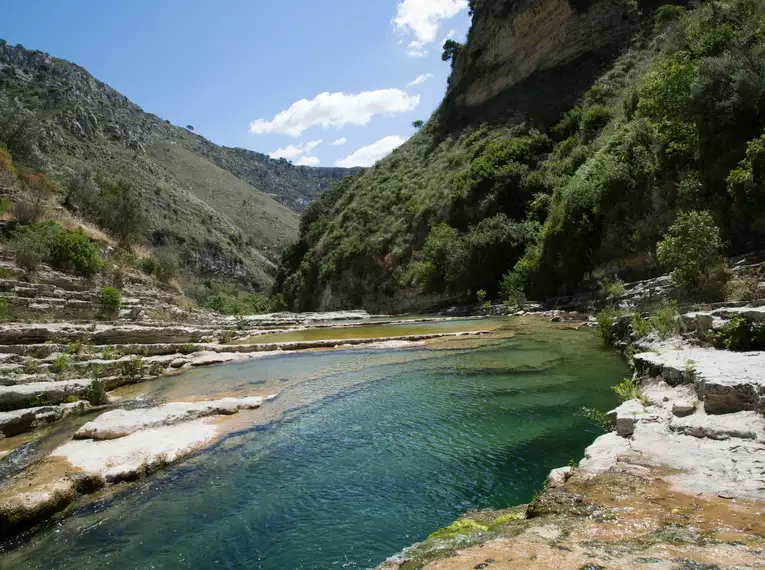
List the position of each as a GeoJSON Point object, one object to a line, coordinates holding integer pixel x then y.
{"type": "Point", "coordinates": [308, 161]}
{"type": "Point", "coordinates": [301, 152]}
{"type": "Point", "coordinates": [422, 18]}
{"type": "Point", "coordinates": [420, 79]}
{"type": "Point", "coordinates": [417, 52]}
{"type": "Point", "coordinates": [336, 110]}
{"type": "Point", "coordinates": [450, 36]}
{"type": "Point", "coordinates": [339, 142]}
{"type": "Point", "coordinates": [368, 155]}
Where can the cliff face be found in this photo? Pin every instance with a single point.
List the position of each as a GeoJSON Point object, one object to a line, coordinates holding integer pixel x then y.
{"type": "Point", "coordinates": [551, 48]}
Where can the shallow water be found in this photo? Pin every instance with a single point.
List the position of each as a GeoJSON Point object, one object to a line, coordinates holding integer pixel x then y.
{"type": "Point", "coordinates": [363, 453]}
{"type": "Point", "coordinates": [368, 330]}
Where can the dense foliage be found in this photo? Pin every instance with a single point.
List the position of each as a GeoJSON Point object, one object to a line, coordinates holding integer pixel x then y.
{"type": "Point", "coordinates": [671, 134]}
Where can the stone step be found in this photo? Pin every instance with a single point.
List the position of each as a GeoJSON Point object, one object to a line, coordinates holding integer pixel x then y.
{"type": "Point", "coordinates": [21, 421]}
{"type": "Point", "coordinates": [724, 381]}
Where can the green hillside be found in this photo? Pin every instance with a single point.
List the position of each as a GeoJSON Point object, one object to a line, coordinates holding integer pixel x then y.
{"type": "Point", "coordinates": [539, 201]}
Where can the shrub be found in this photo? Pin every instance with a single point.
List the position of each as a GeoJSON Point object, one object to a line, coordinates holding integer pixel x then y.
{"type": "Point", "coordinates": [604, 327]}
{"type": "Point", "coordinates": [165, 264]}
{"type": "Point", "coordinates": [665, 321]}
{"type": "Point", "coordinates": [691, 248]}
{"type": "Point", "coordinates": [147, 265]}
{"type": "Point", "coordinates": [740, 334]}
{"type": "Point", "coordinates": [121, 210]}
{"type": "Point", "coordinates": [666, 15]}
{"type": "Point", "coordinates": [480, 296]}
{"type": "Point", "coordinates": [226, 336]}
{"type": "Point", "coordinates": [612, 289]}
{"type": "Point", "coordinates": [38, 189]}
{"type": "Point", "coordinates": [4, 306]}
{"type": "Point", "coordinates": [134, 368]}
{"type": "Point", "coordinates": [95, 393]}
{"type": "Point", "coordinates": [593, 121]}
{"type": "Point", "coordinates": [599, 417]}
{"type": "Point", "coordinates": [640, 327]}
{"type": "Point", "coordinates": [60, 364]}
{"type": "Point", "coordinates": [627, 389]}
{"type": "Point", "coordinates": [110, 299]}
{"type": "Point", "coordinates": [72, 249]}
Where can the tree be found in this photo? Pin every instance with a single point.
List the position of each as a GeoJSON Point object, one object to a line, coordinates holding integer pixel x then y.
{"type": "Point", "coordinates": [121, 210]}
{"type": "Point", "coordinates": [190, 127]}
{"type": "Point", "coordinates": [451, 50]}
{"type": "Point", "coordinates": [692, 249]}
{"type": "Point", "coordinates": [418, 124]}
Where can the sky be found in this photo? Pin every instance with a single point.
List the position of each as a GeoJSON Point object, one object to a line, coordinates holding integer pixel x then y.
{"type": "Point", "coordinates": [319, 82]}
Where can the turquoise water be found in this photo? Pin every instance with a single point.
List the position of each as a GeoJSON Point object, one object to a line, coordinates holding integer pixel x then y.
{"type": "Point", "coordinates": [363, 453]}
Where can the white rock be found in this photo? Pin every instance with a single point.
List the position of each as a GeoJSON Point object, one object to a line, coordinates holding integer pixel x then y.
{"type": "Point", "coordinates": [120, 423]}
{"type": "Point", "coordinates": [141, 452]}
{"type": "Point", "coordinates": [603, 454]}
{"type": "Point", "coordinates": [625, 416]}
{"type": "Point", "coordinates": [558, 477]}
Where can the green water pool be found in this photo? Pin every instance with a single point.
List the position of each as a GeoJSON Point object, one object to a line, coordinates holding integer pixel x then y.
{"type": "Point", "coordinates": [364, 452]}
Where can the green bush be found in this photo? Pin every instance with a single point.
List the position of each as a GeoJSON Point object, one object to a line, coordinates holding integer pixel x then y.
{"type": "Point", "coordinates": [665, 320]}
{"type": "Point", "coordinates": [72, 249]}
{"type": "Point", "coordinates": [95, 393]}
{"type": "Point", "coordinates": [165, 264]}
{"type": "Point", "coordinates": [4, 306]}
{"type": "Point", "coordinates": [60, 364]}
{"type": "Point", "coordinates": [604, 327]}
{"type": "Point", "coordinates": [740, 334]}
{"type": "Point", "coordinates": [134, 368]}
{"type": "Point", "coordinates": [640, 327]}
{"type": "Point", "coordinates": [594, 120]}
{"type": "Point", "coordinates": [599, 417]}
{"type": "Point", "coordinates": [147, 265]}
{"type": "Point", "coordinates": [627, 389]}
{"type": "Point", "coordinates": [692, 249]}
{"type": "Point", "coordinates": [110, 299]}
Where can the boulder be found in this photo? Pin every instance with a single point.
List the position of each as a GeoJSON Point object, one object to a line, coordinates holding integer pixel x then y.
{"type": "Point", "coordinates": [625, 416]}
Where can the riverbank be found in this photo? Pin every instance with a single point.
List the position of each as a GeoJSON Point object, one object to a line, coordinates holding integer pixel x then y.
{"type": "Point", "coordinates": [678, 481]}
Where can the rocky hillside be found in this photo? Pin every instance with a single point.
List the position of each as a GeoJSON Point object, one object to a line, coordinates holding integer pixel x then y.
{"type": "Point", "coordinates": [231, 211]}
{"type": "Point", "coordinates": [572, 136]}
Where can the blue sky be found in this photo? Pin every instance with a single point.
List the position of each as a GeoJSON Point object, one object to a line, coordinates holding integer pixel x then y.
{"type": "Point", "coordinates": [236, 69]}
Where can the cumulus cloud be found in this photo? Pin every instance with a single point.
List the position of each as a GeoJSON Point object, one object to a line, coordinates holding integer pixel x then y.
{"type": "Point", "coordinates": [422, 19]}
{"type": "Point", "coordinates": [339, 142]}
{"type": "Point", "coordinates": [336, 110]}
{"type": "Point", "coordinates": [368, 155]}
{"type": "Point", "coordinates": [308, 161]}
{"type": "Point", "coordinates": [420, 79]}
{"type": "Point", "coordinates": [301, 152]}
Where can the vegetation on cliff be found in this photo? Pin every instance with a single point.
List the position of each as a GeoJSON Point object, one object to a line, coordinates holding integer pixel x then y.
{"type": "Point", "coordinates": [671, 131]}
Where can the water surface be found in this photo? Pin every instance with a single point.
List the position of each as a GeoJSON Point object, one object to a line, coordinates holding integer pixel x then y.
{"type": "Point", "coordinates": [363, 453]}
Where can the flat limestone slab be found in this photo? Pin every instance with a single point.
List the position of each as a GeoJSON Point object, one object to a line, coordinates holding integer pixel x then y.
{"type": "Point", "coordinates": [134, 455]}
{"type": "Point", "coordinates": [120, 423]}
{"type": "Point", "coordinates": [725, 381]}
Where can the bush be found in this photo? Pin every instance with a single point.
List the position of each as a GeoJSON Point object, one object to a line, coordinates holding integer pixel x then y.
{"type": "Point", "coordinates": [691, 248]}
{"type": "Point", "coordinates": [740, 334]}
{"type": "Point", "coordinates": [95, 393]}
{"type": "Point", "coordinates": [147, 265]}
{"type": "Point", "coordinates": [640, 327]}
{"type": "Point", "coordinates": [4, 306]}
{"type": "Point", "coordinates": [627, 389]}
{"type": "Point", "coordinates": [593, 121]}
{"type": "Point", "coordinates": [665, 321]}
{"type": "Point", "coordinates": [604, 327]}
{"type": "Point", "coordinates": [60, 364]}
{"type": "Point", "coordinates": [134, 368]}
{"type": "Point", "coordinates": [110, 300]}
{"type": "Point", "coordinates": [121, 210]}
{"type": "Point", "coordinates": [73, 250]}
{"type": "Point", "coordinates": [599, 417]}
{"type": "Point", "coordinates": [165, 264]}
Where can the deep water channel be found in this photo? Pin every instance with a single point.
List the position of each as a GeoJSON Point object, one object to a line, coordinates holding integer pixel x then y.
{"type": "Point", "coordinates": [363, 452]}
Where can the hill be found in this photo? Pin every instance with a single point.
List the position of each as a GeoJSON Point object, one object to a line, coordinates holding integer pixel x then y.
{"type": "Point", "coordinates": [228, 212]}
{"type": "Point", "coordinates": [571, 137]}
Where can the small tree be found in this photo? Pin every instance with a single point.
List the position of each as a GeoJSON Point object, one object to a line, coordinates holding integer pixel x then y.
{"type": "Point", "coordinates": [418, 124]}
{"type": "Point", "coordinates": [451, 50]}
{"type": "Point", "coordinates": [121, 210]}
{"type": "Point", "coordinates": [190, 127]}
{"type": "Point", "coordinates": [692, 249]}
